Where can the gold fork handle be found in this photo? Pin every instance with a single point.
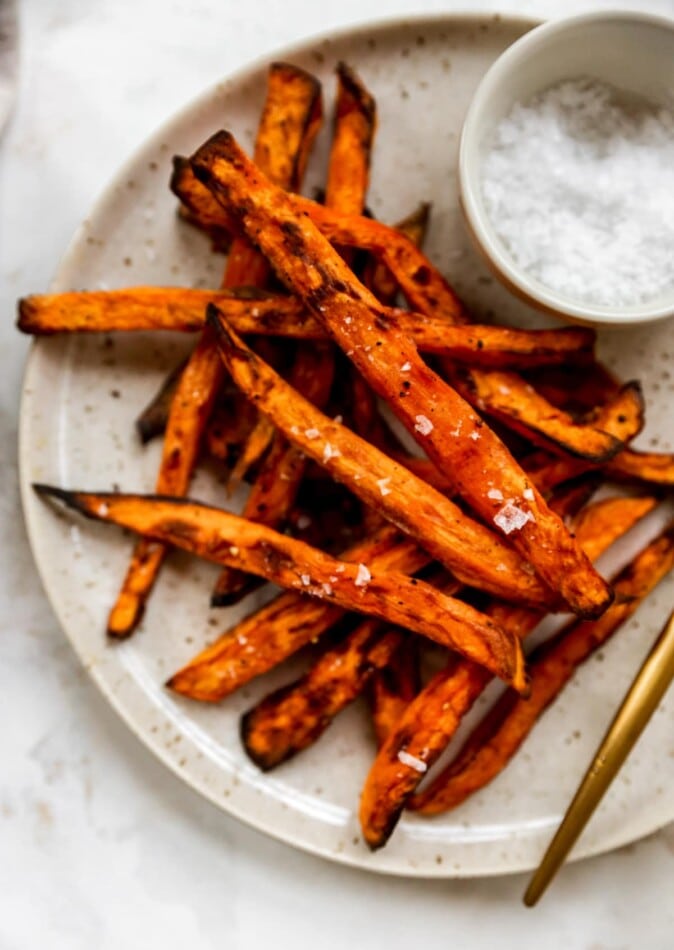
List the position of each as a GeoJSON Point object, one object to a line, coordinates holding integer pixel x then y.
{"type": "Point", "coordinates": [641, 701]}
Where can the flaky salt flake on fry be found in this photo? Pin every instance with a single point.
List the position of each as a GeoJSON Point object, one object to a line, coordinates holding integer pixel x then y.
{"type": "Point", "coordinates": [423, 425]}
{"type": "Point", "coordinates": [412, 761]}
{"type": "Point", "coordinates": [330, 452]}
{"type": "Point", "coordinates": [511, 518]}
{"type": "Point", "coordinates": [363, 577]}
{"type": "Point", "coordinates": [382, 485]}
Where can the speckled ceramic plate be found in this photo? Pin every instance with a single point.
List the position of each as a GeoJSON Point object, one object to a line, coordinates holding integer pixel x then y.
{"type": "Point", "coordinates": [80, 400]}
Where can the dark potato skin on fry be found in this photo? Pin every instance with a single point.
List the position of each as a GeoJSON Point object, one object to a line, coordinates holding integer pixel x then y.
{"type": "Point", "coordinates": [295, 716]}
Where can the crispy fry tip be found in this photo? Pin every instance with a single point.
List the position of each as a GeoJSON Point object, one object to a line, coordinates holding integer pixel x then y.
{"type": "Point", "coordinates": [350, 80]}
{"type": "Point", "coordinates": [69, 498]}
{"type": "Point", "coordinates": [179, 164]}
{"type": "Point", "coordinates": [293, 70]}
{"type": "Point", "coordinates": [123, 633]}
{"type": "Point", "coordinates": [220, 145]}
{"type": "Point", "coordinates": [264, 763]}
{"type": "Point", "coordinates": [224, 599]}
{"type": "Point", "coordinates": [376, 838]}
{"type": "Point", "coordinates": [24, 308]}
{"type": "Point", "coordinates": [225, 337]}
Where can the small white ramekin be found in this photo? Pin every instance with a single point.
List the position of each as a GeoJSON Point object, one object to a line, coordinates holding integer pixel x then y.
{"type": "Point", "coordinates": [632, 51]}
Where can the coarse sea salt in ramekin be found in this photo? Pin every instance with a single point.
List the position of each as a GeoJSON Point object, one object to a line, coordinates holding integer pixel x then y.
{"type": "Point", "coordinates": [578, 183]}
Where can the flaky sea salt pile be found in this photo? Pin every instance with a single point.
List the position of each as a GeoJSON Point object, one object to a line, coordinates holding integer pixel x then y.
{"type": "Point", "coordinates": [579, 185]}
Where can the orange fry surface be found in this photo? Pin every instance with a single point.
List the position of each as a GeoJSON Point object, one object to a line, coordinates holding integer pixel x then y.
{"type": "Point", "coordinates": [183, 309]}
{"type": "Point", "coordinates": [430, 721]}
{"type": "Point", "coordinates": [454, 437]}
{"type": "Point", "coordinates": [498, 737]}
{"type": "Point", "coordinates": [274, 632]}
{"type": "Point", "coordinates": [472, 552]}
{"type": "Point", "coordinates": [219, 536]}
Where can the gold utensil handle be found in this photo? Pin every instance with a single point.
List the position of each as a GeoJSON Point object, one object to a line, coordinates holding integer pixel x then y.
{"type": "Point", "coordinates": [638, 706]}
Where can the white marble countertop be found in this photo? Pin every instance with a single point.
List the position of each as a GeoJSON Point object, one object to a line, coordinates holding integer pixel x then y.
{"type": "Point", "coordinates": [101, 846]}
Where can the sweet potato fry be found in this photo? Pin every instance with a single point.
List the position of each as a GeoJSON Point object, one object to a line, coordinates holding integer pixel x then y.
{"type": "Point", "coordinates": [224, 538]}
{"type": "Point", "coordinates": [514, 402]}
{"type": "Point", "coordinates": [473, 553]}
{"type": "Point", "coordinates": [430, 721]}
{"type": "Point", "coordinates": [354, 129]}
{"type": "Point", "coordinates": [152, 420]}
{"type": "Point", "coordinates": [295, 716]}
{"type": "Point", "coordinates": [427, 290]}
{"type": "Point", "coordinates": [455, 438]}
{"type": "Point", "coordinates": [376, 275]}
{"type": "Point", "coordinates": [257, 312]}
{"type": "Point", "coordinates": [230, 424]}
{"type": "Point", "coordinates": [254, 448]}
{"type": "Point", "coordinates": [197, 204]}
{"type": "Point", "coordinates": [603, 522]}
{"type": "Point", "coordinates": [656, 468]}
{"type": "Point", "coordinates": [498, 737]}
{"type": "Point", "coordinates": [313, 369]}
{"type": "Point", "coordinates": [393, 686]}
{"type": "Point", "coordinates": [291, 119]}
{"type": "Point", "coordinates": [622, 416]}
{"type": "Point", "coordinates": [275, 488]}
{"type": "Point", "coordinates": [186, 422]}
{"type": "Point", "coordinates": [288, 126]}
{"type": "Point", "coordinates": [268, 636]}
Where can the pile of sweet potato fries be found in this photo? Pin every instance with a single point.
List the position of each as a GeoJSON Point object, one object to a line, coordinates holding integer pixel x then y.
{"type": "Point", "coordinates": [469, 543]}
